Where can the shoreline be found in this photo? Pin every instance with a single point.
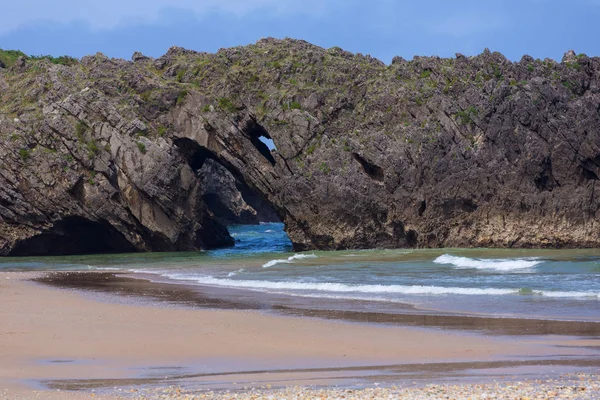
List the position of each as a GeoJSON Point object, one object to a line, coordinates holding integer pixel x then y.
{"type": "Point", "coordinates": [54, 338]}
{"type": "Point", "coordinates": [126, 284]}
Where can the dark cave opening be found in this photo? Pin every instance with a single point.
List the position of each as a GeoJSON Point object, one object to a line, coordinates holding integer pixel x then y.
{"type": "Point", "coordinates": [544, 180]}
{"type": "Point", "coordinates": [587, 174]}
{"type": "Point", "coordinates": [589, 169]}
{"type": "Point", "coordinates": [422, 207]}
{"type": "Point", "coordinates": [195, 154]}
{"type": "Point", "coordinates": [74, 236]}
{"type": "Point", "coordinates": [375, 172]}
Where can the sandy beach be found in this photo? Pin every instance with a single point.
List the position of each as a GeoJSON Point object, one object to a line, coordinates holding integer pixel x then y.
{"type": "Point", "coordinates": [54, 340]}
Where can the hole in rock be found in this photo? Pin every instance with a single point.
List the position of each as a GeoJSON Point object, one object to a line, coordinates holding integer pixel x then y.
{"type": "Point", "coordinates": [453, 207]}
{"type": "Point", "coordinates": [195, 154]}
{"type": "Point", "coordinates": [422, 207]}
{"type": "Point", "coordinates": [587, 174]}
{"type": "Point", "coordinates": [263, 149]}
{"type": "Point", "coordinates": [544, 180]}
{"type": "Point", "coordinates": [412, 238]}
{"type": "Point", "coordinates": [269, 142]}
{"type": "Point", "coordinates": [72, 236]}
{"type": "Point", "coordinates": [375, 172]}
{"type": "Point", "coordinates": [590, 168]}
{"type": "Point", "coordinates": [261, 139]}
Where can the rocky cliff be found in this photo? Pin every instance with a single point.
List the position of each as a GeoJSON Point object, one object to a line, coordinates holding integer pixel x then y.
{"type": "Point", "coordinates": [105, 154]}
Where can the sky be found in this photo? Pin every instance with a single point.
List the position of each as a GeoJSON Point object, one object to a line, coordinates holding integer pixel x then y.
{"type": "Point", "coordinates": [381, 28]}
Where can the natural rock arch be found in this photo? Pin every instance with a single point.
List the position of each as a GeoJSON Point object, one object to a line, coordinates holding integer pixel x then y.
{"type": "Point", "coordinates": [477, 151]}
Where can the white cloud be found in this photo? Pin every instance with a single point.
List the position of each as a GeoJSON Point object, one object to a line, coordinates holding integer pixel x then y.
{"type": "Point", "coordinates": [106, 14]}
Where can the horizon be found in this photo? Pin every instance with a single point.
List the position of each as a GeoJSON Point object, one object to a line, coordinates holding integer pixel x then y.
{"type": "Point", "coordinates": [382, 29]}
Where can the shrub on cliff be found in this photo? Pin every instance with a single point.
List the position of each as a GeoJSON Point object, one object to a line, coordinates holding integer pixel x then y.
{"type": "Point", "coordinates": [9, 57]}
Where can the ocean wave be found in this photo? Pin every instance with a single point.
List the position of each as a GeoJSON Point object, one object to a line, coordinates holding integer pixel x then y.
{"type": "Point", "coordinates": [493, 264]}
{"type": "Point", "coordinates": [288, 260]}
{"type": "Point", "coordinates": [580, 295]}
{"type": "Point", "coordinates": [234, 273]}
{"type": "Point", "coordinates": [339, 287]}
{"type": "Point", "coordinates": [333, 289]}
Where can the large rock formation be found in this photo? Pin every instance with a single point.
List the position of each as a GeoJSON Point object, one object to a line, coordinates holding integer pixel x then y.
{"type": "Point", "coordinates": [103, 155]}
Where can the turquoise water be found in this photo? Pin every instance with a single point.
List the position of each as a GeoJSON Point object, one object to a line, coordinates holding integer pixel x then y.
{"type": "Point", "coordinates": [562, 284]}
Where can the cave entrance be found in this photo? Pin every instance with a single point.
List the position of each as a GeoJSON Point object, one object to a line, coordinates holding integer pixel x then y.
{"type": "Point", "coordinates": [374, 172]}
{"type": "Point", "coordinates": [74, 236]}
{"type": "Point", "coordinates": [226, 194]}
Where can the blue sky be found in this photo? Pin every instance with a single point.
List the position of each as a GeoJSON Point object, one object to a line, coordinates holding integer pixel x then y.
{"type": "Point", "coordinates": [382, 28]}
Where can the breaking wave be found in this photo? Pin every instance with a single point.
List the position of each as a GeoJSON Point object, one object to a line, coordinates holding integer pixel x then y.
{"type": "Point", "coordinates": [288, 260]}
{"type": "Point", "coordinates": [491, 264]}
{"type": "Point", "coordinates": [333, 289]}
{"type": "Point", "coordinates": [339, 287]}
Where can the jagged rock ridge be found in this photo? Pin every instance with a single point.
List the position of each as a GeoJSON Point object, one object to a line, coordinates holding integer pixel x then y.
{"type": "Point", "coordinates": [431, 152]}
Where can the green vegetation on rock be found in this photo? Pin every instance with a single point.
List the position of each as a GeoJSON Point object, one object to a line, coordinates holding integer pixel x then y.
{"type": "Point", "coordinates": [24, 154]}
{"type": "Point", "coordinates": [141, 147]}
{"type": "Point", "coordinates": [227, 105]}
{"type": "Point", "coordinates": [9, 57]}
{"type": "Point", "coordinates": [466, 116]}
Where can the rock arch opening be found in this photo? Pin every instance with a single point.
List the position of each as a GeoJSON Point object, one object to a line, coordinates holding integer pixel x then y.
{"type": "Point", "coordinates": [231, 200]}
{"type": "Point", "coordinates": [260, 139]}
{"type": "Point", "coordinates": [225, 192]}
{"type": "Point", "coordinates": [263, 148]}
{"type": "Point", "coordinates": [73, 236]}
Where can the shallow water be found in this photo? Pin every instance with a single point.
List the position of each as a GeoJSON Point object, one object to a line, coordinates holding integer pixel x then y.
{"type": "Point", "coordinates": [560, 284]}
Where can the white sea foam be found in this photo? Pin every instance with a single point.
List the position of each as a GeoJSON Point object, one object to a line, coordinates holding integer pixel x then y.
{"type": "Point", "coordinates": [302, 256]}
{"type": "Point", "coordinates": [580, 295]}
{"type": "Point", "coordinates": [333, 290]}
{"type": "Point", "coordinates": [493, 264]}
{"type": "Point", "coordinates": [338, 287]}
{"type": "Point", "coordinates": [359, 297]}
{"type": "Point", "coordinates": [234, 273]}
{"type": "Point", "coordinates": [288, 260]}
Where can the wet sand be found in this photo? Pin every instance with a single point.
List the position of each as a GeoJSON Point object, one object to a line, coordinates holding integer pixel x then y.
{"type": "Point", "coordinates": [53, 338]}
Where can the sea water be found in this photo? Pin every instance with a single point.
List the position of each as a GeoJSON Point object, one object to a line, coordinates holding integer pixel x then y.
{"type": "Point", "coordinates": [555, 284]}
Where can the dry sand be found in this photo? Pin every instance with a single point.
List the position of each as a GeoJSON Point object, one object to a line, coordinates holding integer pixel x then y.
{"type": "Point", "coordinates": [50, 334]}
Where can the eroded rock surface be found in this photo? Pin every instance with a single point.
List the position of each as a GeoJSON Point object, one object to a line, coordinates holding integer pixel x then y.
{"type": "Point", "coordinates": [431, 152]}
